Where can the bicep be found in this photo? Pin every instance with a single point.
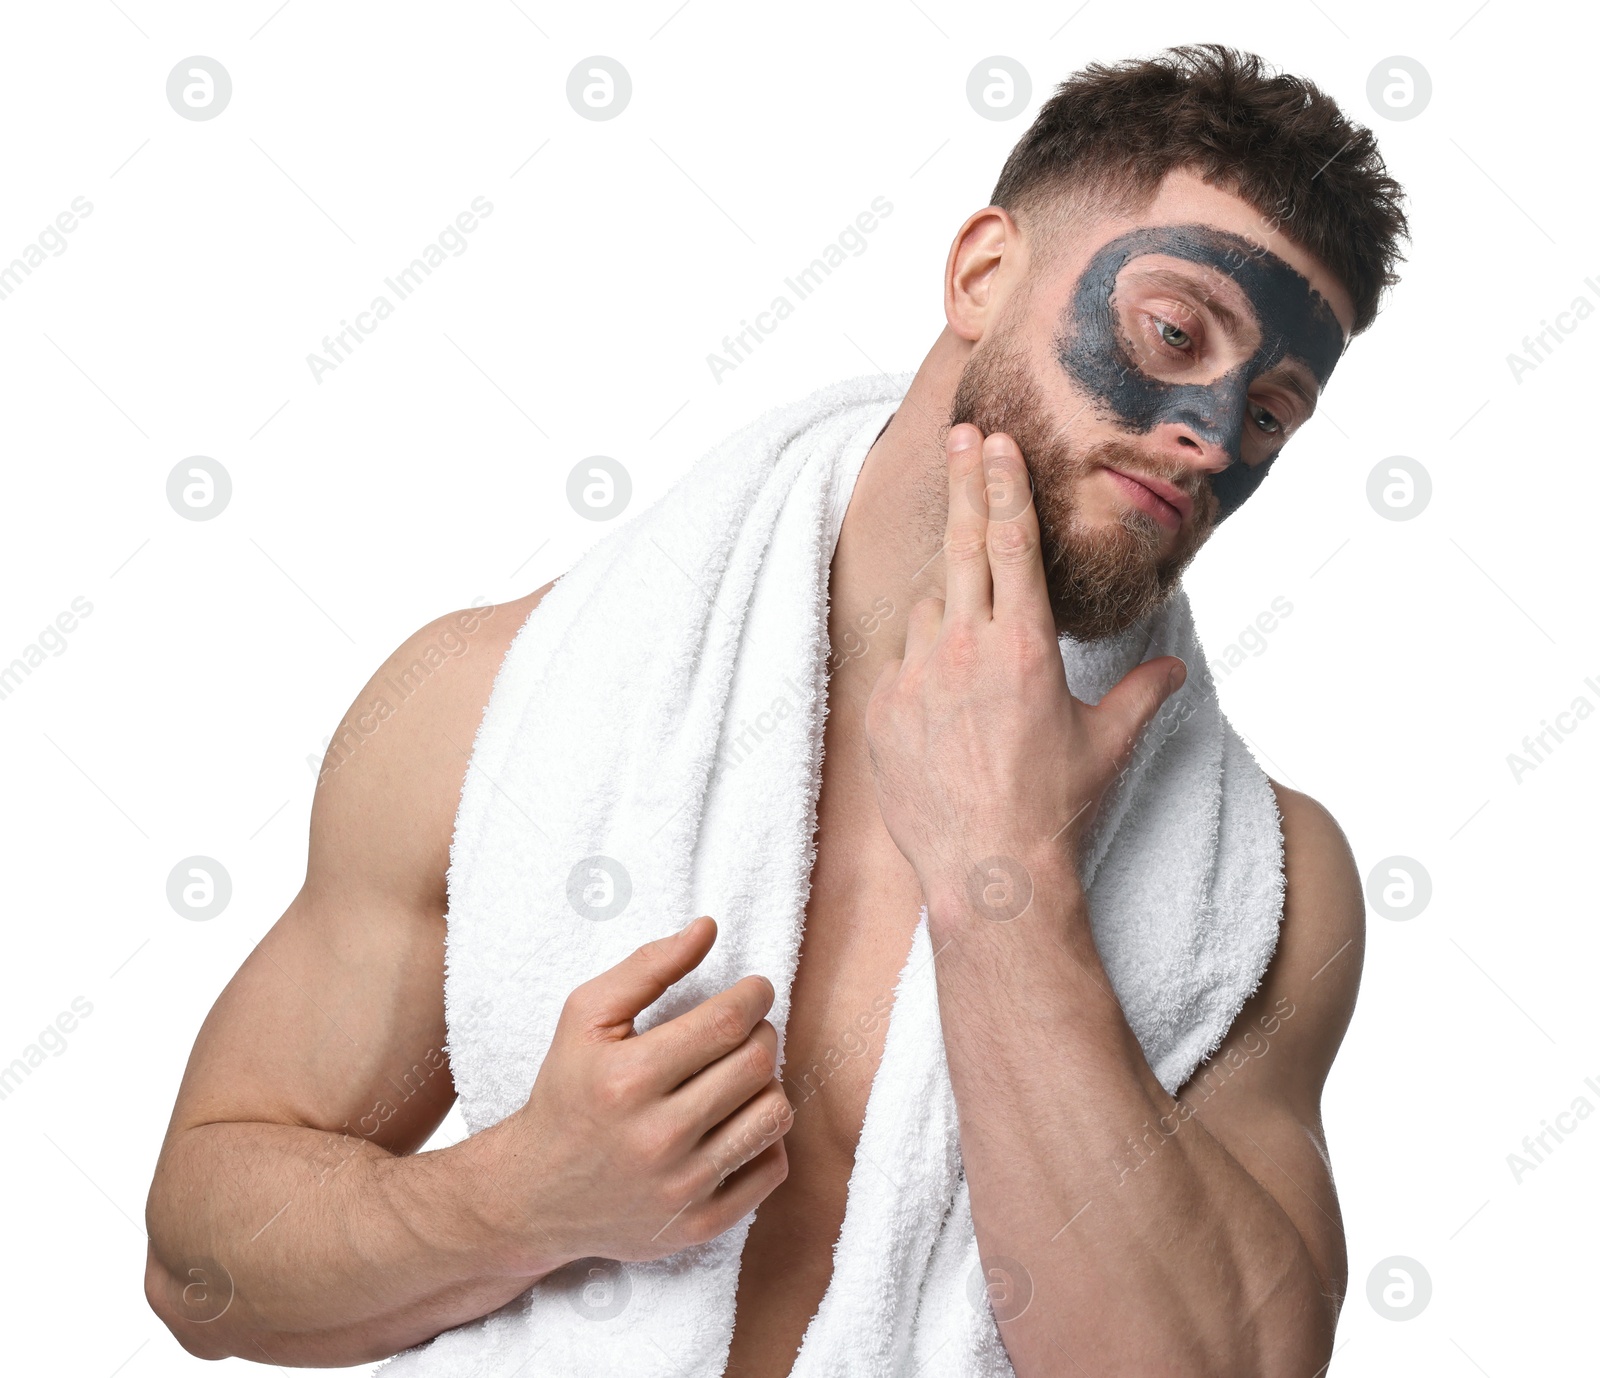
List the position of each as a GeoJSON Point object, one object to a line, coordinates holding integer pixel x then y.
{"type": "Point", "coordinates": [336, 1019]}
{"type": "Point", "coordinates": [334, 1022]}
{"type": "Point", "coordinates": [1259, 1095]}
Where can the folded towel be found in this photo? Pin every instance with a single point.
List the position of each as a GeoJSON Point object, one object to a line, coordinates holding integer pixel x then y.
{"type": "Point", "coordinates": [659, 718]}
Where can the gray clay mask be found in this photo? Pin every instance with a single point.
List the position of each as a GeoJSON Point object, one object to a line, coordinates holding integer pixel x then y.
{"type": "Point", "coordinates": [1295, 320]}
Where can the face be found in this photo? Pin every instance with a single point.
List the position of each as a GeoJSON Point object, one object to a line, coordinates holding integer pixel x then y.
{"type": "Point", "coordinates": [1181, 354]}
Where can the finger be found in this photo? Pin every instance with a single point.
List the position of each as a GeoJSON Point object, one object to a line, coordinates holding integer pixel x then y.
{"type": "Point", "coordinates": [966, 555]}
{"type": "Point", "coordinates": [1133, 701]}
{"type": "Point", "coordinates": [1016, 565]}
{"type": "Point", "coordinates": [718, 1089]}
{"type": "Point", "coordinates": [886, 677]}
{"type": "Point", "coordinates": [750, 1130]}
{"type": "Point", "coordinates": [922, 627]}
{"type": "Point", "coordinates": [680, 1047]}
{"type": "Point", "coordinates": [610, 1001]}
{"type": "Point", "coordinates": [745, 1190]}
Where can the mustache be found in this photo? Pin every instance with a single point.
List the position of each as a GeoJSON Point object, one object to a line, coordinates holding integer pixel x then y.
{"type": "Point", "coordinates": [1002, 398]}
{"type": "Point", "coordinates": [1121, 454]}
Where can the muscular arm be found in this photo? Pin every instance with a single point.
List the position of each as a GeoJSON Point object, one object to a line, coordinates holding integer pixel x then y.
{"type": "Point", "coordinates": [1194, 1235]}
{"type": "Point", "coordinates": [291, 1219]}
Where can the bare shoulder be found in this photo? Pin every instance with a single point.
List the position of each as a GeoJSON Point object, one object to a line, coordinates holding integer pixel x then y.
{"type": "Point", "coordinates": [1307, 997]}
{"type": "Point", "coordinates": [408, 735]}
{"type": "Point", "coordinates": [365, 935]}
{"type": "Point", "coordinates": [1322, 943]}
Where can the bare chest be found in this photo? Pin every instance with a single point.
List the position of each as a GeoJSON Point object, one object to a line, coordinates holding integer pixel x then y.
{"type": "Point", "coordinates": [863, 908]}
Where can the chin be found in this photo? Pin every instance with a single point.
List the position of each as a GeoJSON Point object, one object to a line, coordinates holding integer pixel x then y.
{"type": "Point", "coordinates": [1109, 575]}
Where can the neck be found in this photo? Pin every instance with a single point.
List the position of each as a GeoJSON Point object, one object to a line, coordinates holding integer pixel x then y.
{"type": "Point", "coordinates": [889, 555]}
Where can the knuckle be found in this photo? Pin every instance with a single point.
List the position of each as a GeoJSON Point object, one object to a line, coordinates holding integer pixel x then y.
{"type": "Point", "coordinates": [1010, 540]}
{"type": "Point", "coordinates": [760, 1060]}
{"type": "Point", "coordinates": [653, 1140]}
{"type": "Point", "coordinates": [1028, 650]}
{"type": "Point", "coordinates": [689, 1182]}
{"type": "Point", "coordinates": [780, 1162]}
{"type": "Point", "coordinates": [696, 1227]}
{"type": "Point", "coordinates": [726, 1024]}
{"type": "Point", "coordinates": [782, 1114]}
{"type": "Point", "coordinates": [716, 1216]}
{"type": "Point", "coordinates": [575, 1008]}
{"type": "Point", "coordinates": [961, 649]}
{"type": "Point", "coordinates": [965, 546]}
{"type": "Point", "coordinates": [629, 1073]}
{"type": "Point", "coordinates": [617, 1087]}
{"type": "Point", "coordinates": [715, 1165]}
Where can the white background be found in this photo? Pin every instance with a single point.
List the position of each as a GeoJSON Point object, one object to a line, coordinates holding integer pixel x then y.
{"type": "Point", "coordinates": [429, 470]}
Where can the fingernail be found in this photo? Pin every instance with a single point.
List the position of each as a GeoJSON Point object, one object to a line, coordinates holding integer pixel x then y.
{"type": "Point", "coordinates": [1180, 672]}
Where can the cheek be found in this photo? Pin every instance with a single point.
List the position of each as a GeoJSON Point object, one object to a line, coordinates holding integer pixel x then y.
{"type": "Point", "coordinates": [1234, 485]}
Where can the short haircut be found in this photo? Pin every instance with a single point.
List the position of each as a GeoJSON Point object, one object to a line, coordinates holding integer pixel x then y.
{"type": "Point", "coordinates": [1104, 142]}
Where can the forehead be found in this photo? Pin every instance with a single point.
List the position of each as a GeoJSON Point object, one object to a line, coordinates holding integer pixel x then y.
{"type": "Point", "coordinates": [1185, 197]}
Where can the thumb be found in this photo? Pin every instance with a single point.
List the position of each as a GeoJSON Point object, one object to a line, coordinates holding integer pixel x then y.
{"type": "Point", "coordinates": [1136, 698]}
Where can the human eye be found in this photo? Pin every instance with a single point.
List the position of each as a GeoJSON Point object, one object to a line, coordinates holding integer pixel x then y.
{"type": "Point", "coordinates": [1273, 425]}
{"type": "Point", "coordinates": [1168, 330]}
{"type": "Point", "coordinates": [1173, 329]}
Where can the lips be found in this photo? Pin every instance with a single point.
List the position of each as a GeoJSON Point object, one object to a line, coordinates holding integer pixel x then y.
{"type": "Point", "coordinates": [1169, 494]}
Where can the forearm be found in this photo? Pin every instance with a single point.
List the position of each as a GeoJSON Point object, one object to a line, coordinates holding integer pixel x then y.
{"type": "Point", "coordinates": [335, 1251]}
{"type": "Point", "coordinates": [1148, 1246]}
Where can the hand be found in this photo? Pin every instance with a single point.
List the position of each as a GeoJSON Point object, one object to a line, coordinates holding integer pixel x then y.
{"type": "Point", "coordinates": [632, 1146]}
{"type": "Point", "coordinates": [979, 750]}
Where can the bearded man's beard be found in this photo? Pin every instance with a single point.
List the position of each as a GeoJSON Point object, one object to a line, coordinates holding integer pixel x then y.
{"type": "Point", "coordinates": [1100, 580]}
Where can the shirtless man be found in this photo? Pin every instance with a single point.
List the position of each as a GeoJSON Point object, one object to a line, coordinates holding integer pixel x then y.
{"type": "Point", "coordinates": [293, 1221]}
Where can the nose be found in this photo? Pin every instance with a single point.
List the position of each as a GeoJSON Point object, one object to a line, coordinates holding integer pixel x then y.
{"type": "Point", "coordinates": [1203, 433]}
{"type": "Point", "coordinates": [1195, 449]}
{"type": "Point", "coordinates": [1214, 462]}
{"type": "Point", "coordinates": [1209, 417]}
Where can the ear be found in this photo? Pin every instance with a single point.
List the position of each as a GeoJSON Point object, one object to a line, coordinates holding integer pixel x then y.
{"type": "Point", "coordinates": [987, 243]}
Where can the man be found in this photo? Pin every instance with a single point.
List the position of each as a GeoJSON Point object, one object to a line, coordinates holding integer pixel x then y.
{"type": "Point", "coordinates": [1178, 252]}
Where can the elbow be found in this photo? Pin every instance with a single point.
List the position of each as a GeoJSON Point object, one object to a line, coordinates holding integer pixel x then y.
{"type": "Point", "coordinates": [1290, 1323]}
{"type": "Point", "coordinates": [188, 1306]}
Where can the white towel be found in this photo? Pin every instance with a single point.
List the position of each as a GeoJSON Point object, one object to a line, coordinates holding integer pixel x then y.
{"type": "Point", "coordinates": [613, 731]}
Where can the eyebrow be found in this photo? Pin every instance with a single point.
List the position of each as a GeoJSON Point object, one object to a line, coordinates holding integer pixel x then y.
{"type": "Point", "coordinates": [1291, 369]}
{"type": "Point", "coordinates": [1233, 326]}
{"type": "Point", "coordinates": [1176, 281]}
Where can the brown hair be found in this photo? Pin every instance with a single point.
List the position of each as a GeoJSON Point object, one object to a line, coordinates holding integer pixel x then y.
{"type": "Point", "coordinates": [1109, 135]}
